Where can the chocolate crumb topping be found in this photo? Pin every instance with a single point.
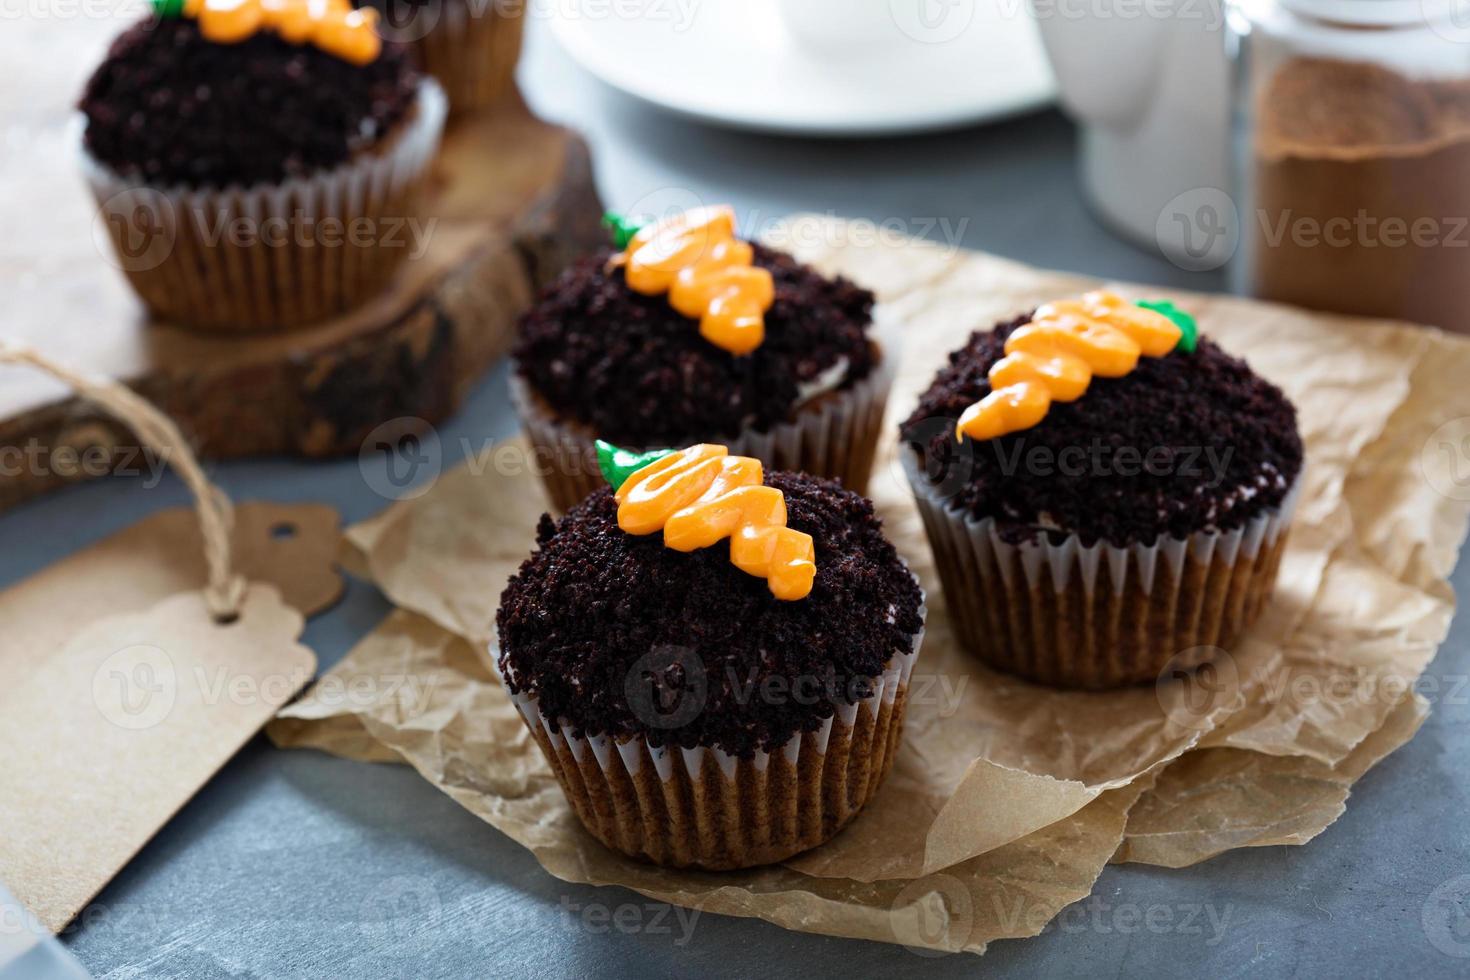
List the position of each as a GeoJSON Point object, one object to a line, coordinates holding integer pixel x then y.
{"type": "Point", "coordinates": [640, 375]}
{"type": "Point", "coordinates": [1183, 443]}
{"type": "Point", "coordinates": [174, 109]}
{"type": "Point", "coordinates": [620, 635]}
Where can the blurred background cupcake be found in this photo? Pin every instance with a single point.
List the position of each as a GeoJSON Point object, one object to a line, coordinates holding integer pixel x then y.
{"type": "Point", "coordinates": [471, 46]}
{"type": "Point", "coordinates": [689, 334]}
{"type": "Point", "coordinates": [1105, 492]}
{"type": "Point", "coordinates": [700, 714]}
{"type": "Point", "coordinates": [280, 148]}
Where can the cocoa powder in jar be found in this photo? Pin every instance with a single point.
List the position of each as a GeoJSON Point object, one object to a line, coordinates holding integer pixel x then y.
{"type": "Point", "coordinates": [1362, 192]}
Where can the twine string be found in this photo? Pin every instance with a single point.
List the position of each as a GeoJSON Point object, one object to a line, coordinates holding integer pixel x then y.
{"type": "Point", "coordinates": [226, 589]}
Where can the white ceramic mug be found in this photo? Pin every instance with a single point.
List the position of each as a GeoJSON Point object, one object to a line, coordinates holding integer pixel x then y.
{"type": "Point", "coordinates": [1150, 87]}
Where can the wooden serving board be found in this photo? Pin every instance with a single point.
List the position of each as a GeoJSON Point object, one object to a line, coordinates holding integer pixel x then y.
{"type": "Point", "coordinates": [514, 201]}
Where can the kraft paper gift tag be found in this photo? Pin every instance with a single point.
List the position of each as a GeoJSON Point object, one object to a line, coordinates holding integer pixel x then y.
{"type": "Point", "coordinates": [1002, 791]}
{"type": "Point", "coordinates": [129, 685]}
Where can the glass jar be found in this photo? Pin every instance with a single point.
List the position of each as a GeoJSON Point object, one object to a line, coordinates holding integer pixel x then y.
{"type": "Point", "coordinates": [1353, 140]}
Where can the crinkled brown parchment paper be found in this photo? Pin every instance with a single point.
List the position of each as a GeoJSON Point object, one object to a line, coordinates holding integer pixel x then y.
{"type": "Point", "coordinates": [1007, 799]}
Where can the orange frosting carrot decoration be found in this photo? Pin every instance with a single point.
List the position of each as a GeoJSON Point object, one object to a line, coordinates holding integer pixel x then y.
{"type": "Point", "coordinates": [351, 35]}
{"type": "Point", "coordinates": [226, 21]}
{"type": "Point", "coordinates": [331, 25]}
{"type": "Point", "coordinates": [708, 274]}
{"type": "Point", "coordinates": [1055, 356]}
{"type": "Point", "coordinates": [703, 495]}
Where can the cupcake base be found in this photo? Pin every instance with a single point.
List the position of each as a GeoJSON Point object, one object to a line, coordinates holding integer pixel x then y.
{"type": "Point", "coordinates": [1098, 617]}
{"type": "Point", "coordinates": [704, 808]}
{"type": "Point", "coordinates": [273, 257]}
{"type": "Point", "coordinates": [835, 435]}
{"type": "Point", "coordinates": [472, 50]}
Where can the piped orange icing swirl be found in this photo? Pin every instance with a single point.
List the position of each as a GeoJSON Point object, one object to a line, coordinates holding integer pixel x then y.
{"type": "Point", "coordinates": [331, 25]}
{"type": "Point", "coordinates": [708, 273]}
{"type": "Point", "coordinates": [1055, 356]}
{"type": "Point", "coordinates": [702, 495]}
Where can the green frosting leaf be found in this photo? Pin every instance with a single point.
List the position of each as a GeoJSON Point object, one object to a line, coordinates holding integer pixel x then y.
{"type": "Point", "coordinates": [619, 464]}
{"type": "Point", "coordinates": [1188, 329]}
{"type": "Point", "coordinates": [168, 9]}
{"type": "Point", "coordinates": [623, 229]}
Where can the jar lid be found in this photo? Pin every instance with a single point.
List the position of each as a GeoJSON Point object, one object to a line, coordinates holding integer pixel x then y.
{"type": "Point", "coordinates": [1374, 13]}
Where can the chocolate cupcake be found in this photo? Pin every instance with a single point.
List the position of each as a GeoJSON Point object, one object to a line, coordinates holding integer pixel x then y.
{"type": "Point", "coordinates": [259, 164]}
{"type": "Point", "coordinates": [689, 334]}
{"type": "Point", "coordinates": [470, 46]}
{"type": "Point", "coordinates": [1106, 493]}
{"type": "Point", "coordinates": [715, 660]}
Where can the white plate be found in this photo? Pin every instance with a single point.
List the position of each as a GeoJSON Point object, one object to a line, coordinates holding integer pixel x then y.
{"type": "Point", "coordinates": [735, 63]}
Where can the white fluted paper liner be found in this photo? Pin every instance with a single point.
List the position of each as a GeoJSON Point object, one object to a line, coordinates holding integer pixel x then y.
{"type": "Point", "coordinates": [835, 435]}
{"type": "Point", "coordinates": [1036, 609]}
{"type": "Point", "coordinates": [178, 250]}
{"type": "Point", "coordinates": [703, 807]}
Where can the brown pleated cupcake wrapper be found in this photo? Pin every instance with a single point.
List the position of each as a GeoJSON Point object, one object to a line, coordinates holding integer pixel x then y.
{"type": "Point", "coordinates": [471, 47]}
{"type": "Point", "coordinates": [1100, 616]}
{"type": "Point", "coordinates": [194, 273]}
{"type": "Point", "coordinates": [834, 435]}
{"type": "Point", "coordinates": [704, 808]}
